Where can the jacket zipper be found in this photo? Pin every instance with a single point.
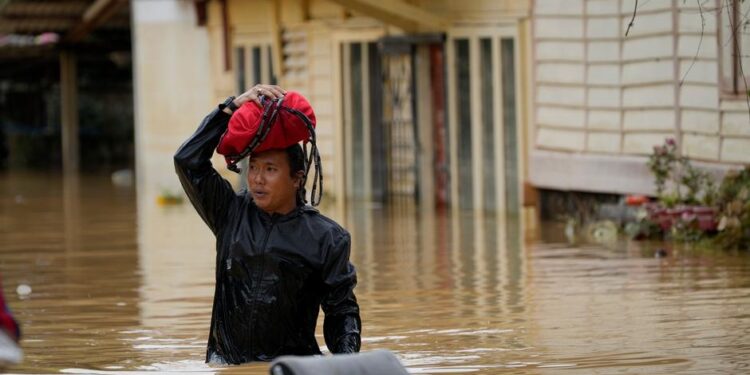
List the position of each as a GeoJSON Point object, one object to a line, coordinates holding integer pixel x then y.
{"type": "Point", "coordinates": [257, 284]}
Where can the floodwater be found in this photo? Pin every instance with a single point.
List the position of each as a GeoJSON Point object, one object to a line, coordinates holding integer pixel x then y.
{"type": "Point", "coordinates": [122, 285]}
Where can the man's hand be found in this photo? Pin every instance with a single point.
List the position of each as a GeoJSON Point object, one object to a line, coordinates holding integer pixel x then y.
{"type": "Point", "coordinates": [269, 91]}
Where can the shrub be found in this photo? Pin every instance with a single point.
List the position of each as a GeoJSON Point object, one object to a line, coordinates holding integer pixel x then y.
{"type": "Point", "coordinates": [734, 210]}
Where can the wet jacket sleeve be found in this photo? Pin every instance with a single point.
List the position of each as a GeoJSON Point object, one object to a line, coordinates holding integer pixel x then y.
{"type": "Point", "coordinates": [342, 325]}
{"type": "Point", "coordinates": [210, 194]}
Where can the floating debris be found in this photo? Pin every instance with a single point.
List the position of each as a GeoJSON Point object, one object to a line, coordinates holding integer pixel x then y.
{"type": "Point", "coordinates": [166, 199]}
{"type": "Point", "coordinates": [23, 290]}
{"type": "Point", "coordinates": [122, 178]}
{"type": "Point", "coordinates": [660, 253]}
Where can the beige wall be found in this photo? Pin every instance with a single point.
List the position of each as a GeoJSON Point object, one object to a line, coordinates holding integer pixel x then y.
{"type": "Point", "coordinates": [172, 86]}
{"type": "Point", "coordinates": [173, 92]}
{"type": "Point", "coordinates": [599, 96]}
{"type": "Point", "coordinates": [478, 12]}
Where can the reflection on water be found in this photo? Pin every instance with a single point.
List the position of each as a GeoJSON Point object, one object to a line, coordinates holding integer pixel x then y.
{"type": "Point", "coordinates": [123, 285]}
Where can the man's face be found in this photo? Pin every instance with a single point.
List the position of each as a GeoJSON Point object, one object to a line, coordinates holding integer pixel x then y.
{"type": "Point", "coordinates": [271, 185]}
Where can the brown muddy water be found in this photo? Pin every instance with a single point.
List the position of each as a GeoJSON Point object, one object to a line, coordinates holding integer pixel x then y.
{"type": "Point", "coordinates": [122, 285]}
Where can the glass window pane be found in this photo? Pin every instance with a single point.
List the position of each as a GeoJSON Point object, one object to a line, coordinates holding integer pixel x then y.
{"type": "Point", "coordinates": [377, 129]}
{"type": "Point", "coordinates": [463, 127]}
{"type": "Point", "coordinates": [358, 163]}
{"type": "Point", "coordinates": [512, 194]}
{"type": "Point", "coordinates": [727, 47]}
{"type": "Point", "coordinates": [239, 68]}
{"type": "Point", "coordinates": [488, 124]}
{"type": "Point", "coordinates": [256, 78]}
{"type": "Point", "coordinates": [744, 44]}
{"type": "Point", "coordinates": [270, 65]}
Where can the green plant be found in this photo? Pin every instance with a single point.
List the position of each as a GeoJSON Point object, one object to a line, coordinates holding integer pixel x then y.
{"type": "Point", "coordinates": [693, 179]}
{"type": "Point", "coordinates": [690, 185]}
{"type": "Point", "coordinates": [642, 227]}
{"type": "Point", "coordinates": [661, 163]}
{"type": "Point", "coordinates": [734, 206]}
{"type": "Point", "coordinates": [686, 229]}
{"type": "Point", "coordinates": [710, 191]}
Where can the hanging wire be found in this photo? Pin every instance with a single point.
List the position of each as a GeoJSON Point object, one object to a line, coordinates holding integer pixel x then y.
{"type": "Point", "coordinates": [271, 110]}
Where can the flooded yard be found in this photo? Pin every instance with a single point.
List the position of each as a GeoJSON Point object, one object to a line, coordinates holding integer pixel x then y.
{"type": "Point", "coordinates": [121, 285]}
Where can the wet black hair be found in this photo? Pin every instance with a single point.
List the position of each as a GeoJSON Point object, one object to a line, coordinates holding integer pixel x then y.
{"type": "Point", "coordinates": [296, 159]}
{"type": "Point", "coordinates": [296, 156]}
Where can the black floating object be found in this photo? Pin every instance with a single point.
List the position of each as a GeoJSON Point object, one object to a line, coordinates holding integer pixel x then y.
{"type": "Point", "coordinates": [660, 253]}
{"type": "Point", "coordinates": [377, 362]}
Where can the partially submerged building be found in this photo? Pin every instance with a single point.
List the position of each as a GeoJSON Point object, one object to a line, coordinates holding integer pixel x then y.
{"type": "Point", "coordinates": [413, 99]}
{"type": "Point", "coordinates": [603, 100]}
{"type": "Point", "coordinates": [472, 104]}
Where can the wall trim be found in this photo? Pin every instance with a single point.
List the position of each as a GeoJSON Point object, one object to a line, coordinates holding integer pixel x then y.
{"type": "Point", "coordinates": [618, 174]}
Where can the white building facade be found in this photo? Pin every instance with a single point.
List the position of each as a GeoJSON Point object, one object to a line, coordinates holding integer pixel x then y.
{"type": "Point", "coordinates": [602, 100]}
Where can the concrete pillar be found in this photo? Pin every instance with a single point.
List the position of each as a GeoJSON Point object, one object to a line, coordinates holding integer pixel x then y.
{"type": "Point", "coordinates": [69, 112]}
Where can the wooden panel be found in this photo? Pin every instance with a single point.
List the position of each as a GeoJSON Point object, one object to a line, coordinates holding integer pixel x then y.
{"type": "Point", "coordinates": [558, 28]}
{"type": "Point", "coordinates": [561, 139]}
{"type": "Point", "coordinates": [735, 150]}
{"type": "Point", "coordinates": [603, 142]}
{"type": "Point", "coordinates": [699, 96]}
{"type": "Point", "coordinates": [564, 117]}
{"type": "Point", "coordinates": [647, 23]}
{"type": "Point", "coordinates": [735, 124]}
{"type": "Point", "coordinates": [649, 96]}
{"type": "Point", "coordinates": [647, 48]}
{"type": "Point", "coordinates": [702, 147]}
{"type": "Point", "coordinates": [603, 28]}
{"type": "Point", "coordinates": [648, 72]}
{"type": "Point", "coordinates": [604, 120]}
{"type": "Point", "coordinates": [557, 7]}
{"type": "Point", "coordinates": [704, 121]}
{"type": "Point", "coordinates": [559, 50]}
{"type": "Point", "coordinates": [603, 51]}
{"type": "Point", "coordinates": [608, 74]}
{"type": "Point", "coordinates": [560, 72]}
{"type": "Point", "coordinates": [648, 119]}
{"type": "Point", "coordinates": [602, 7]}
{"type": "Point", "coordinates": [550, 94]}
{"type": "Point", "coordinates": [643, 143]}
{"type": "Point", "coordinates": [603, 98]}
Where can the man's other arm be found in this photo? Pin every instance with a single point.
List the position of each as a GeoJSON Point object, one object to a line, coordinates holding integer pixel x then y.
{"type": "Point", "coordinates": [342, 325]}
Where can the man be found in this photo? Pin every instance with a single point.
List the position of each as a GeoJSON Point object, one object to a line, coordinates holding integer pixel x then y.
{"type": "Point", "coordinates": [277, 260]}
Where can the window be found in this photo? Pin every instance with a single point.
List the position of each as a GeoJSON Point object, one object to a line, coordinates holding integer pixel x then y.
{"type": "Point", "coordinates": [484, 139]}
{"type": "Point", "coordinates": [366, 167]}
{"type": "Point", "coordinates": [464, 126]}
{"type": "Point", "coordinates": [254, 64]}
{"type": "Point", "coordinates": [735, 37]}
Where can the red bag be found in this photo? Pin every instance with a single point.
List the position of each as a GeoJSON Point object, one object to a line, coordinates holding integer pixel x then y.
{"type": "Point", "coordinates": [287, 130]}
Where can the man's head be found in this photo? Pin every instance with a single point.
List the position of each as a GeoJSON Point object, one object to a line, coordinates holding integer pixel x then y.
{"type": "Point", "coordinates": [275, 178]}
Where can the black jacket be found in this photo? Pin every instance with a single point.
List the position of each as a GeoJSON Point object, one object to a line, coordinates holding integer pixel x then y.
{"type": "Point", "coordinates": [273, 272]}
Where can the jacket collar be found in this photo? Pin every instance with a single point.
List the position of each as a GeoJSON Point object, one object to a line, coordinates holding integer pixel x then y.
{"type": "Point", "coordinates": [279, 218]}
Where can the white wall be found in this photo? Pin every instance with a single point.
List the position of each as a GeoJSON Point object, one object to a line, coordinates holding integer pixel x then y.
{"type": "Point", "coordinates": [603, 100]}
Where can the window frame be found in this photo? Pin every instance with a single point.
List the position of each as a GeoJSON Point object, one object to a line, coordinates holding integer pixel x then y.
{"type": "Point", "coordinates": [475, 35]}
{"type": "Point", "coordinates": [731, 83]}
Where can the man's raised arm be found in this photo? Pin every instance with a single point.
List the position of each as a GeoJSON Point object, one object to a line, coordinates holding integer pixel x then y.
{"type": "Point", "coordinates": [208, 192]}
